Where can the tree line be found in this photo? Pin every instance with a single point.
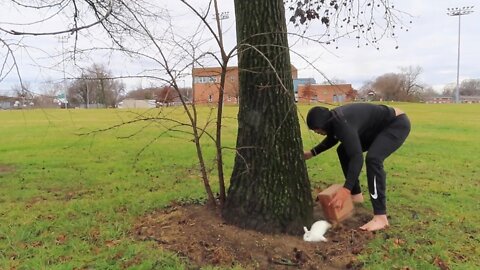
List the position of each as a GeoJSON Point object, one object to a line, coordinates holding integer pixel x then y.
{"type": "Point", "coordinates": [406, 86]}
{"type": "Point", "coordinates": [96, 87]}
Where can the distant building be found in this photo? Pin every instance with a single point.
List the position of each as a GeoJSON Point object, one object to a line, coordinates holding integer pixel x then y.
{"type": "Point", "coordinates": [338, 93]}
{"type": "Point", "coordinates": [7, 102]}
{"type": "Point", "coordinates": [440, 99]}
{"type": "Point", "coordinates": [449, 99]}
{"type": "Point", "coordinates": [137, 104]}
{"type": "Point", "coordinates": [206, 82]}
{"type": "Point", "coordinates": [470, 99]}
{"type": "Point", "coordinates": [5, 105]}
{"type": "Point", "coordinates": [371, 95]}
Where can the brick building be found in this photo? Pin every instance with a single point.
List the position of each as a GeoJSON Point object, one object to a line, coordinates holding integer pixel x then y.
{"type": "Point", "coordinates": [206, 83]}
{"type": "Point", "coordinates": [338, 93]}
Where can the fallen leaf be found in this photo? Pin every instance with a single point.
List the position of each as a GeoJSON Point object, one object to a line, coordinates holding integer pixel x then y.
{"type": "Point", "coordinates": [112, 243]}
{"type": "Point", "coordinates": [440, 263]}
{"type": "Point", "coordinates": [61, 239]}
{"type": "Point", "coordinates": [398, 242]}
{"type": "Point", "coordinates": [357, 250]}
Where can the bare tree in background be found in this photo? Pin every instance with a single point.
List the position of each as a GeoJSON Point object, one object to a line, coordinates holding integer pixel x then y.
{"type": "Point", "coordinates": [167, 95]}
{"type": "Point", "coordinates": [104, 90]}
{"type": "Point", "coordinates": [411, 87]}
{"type": "Point", "coordinates": [23, 94]}
{"type": "Point", "coordinates": [428, 93]}
{"type": "Point", "coordinates": [470, 87]}
{"type": "Point", "coordinates": [143, 93]}
{"type": "Point", "coordinates": [403, 86]}
{"type": "Point", "coordinates": [388, 86]}
{"type": "Point", "coordinates": [50, 90]}
{"type": "Point", "coordinates": [95, 88]}
{"type": "Point", "coordinates": [163, 94]}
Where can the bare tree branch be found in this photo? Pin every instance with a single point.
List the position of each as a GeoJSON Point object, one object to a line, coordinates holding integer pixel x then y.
{"type": "Point", "coordinates": [73, 30]}
{"type": "Point", "coordinates": [14, 64]}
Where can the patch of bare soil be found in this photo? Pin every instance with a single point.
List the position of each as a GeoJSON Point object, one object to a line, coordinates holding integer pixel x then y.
{"type": "Point", "coordinates": [6, 168]}
{"type": "Point", "coordinates": [200, 234]}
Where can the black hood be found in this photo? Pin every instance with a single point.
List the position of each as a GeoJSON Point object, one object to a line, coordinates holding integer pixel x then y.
{"type": "Point", "coordinates": [318, 117]}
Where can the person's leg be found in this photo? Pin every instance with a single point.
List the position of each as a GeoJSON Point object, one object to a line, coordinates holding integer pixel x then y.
{"type": "Point", "coordinates": [387, 142]}
{"type": "Point", "coordinates": [357, 196]}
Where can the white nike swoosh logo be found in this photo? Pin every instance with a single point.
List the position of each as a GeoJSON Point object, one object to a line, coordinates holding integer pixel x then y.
{"type": "Point", "coordinates": [374, 195]}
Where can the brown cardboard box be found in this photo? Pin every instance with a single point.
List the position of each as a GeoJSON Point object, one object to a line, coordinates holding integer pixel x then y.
{"type": "Point", "coordinates": [331, 214]}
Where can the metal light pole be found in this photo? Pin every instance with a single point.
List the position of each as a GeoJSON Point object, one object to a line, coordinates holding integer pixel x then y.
{"type": "Point", "coordinates": [459, 12]}
{"type": "Point", "coordinates": [63, 40]}
{"type": "Point", "coordinates": [88, 99]}
{"type": "Point", "coordinates": [219, 17]}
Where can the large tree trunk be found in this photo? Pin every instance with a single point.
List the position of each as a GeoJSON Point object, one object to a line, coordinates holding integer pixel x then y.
{"type": "Point", "coordinates": [269, 189]}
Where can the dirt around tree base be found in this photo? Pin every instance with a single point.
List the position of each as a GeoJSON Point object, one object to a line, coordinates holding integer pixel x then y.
{"type": "Point", "coordinates": [197, 232]}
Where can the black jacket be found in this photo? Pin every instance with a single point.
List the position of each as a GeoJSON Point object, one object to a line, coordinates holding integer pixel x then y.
{"type": "Point", "coordinates": [356, 126]}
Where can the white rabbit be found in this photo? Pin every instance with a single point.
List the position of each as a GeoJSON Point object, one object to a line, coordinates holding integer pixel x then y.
{"type": "Point", "coordinates": [317, 231]}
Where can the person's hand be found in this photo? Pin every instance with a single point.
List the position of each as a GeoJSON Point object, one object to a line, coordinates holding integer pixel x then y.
{"type": "Point", "coordinates": [307, 155]}
{"type": "Point", "coordinates": [340, 197]}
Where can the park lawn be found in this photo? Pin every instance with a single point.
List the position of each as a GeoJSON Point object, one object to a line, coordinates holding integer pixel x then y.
{"type": "Point", "coordinates": [69, 200]}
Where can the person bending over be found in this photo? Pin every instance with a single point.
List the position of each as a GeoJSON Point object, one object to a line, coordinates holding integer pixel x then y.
{"type": "Point", "coordinates": [360, 127]}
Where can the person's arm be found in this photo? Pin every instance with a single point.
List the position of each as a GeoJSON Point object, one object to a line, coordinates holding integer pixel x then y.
{"type": "Point", "coordinates": [353, 147]}
{"type": "Point", "coordinates": [326, 144]}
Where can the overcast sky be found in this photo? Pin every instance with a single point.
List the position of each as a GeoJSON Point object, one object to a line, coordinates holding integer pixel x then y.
{"type": "Point", "coordinates": [430, 42]}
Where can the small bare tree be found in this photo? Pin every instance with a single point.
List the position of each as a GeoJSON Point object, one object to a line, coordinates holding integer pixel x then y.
{"type": "Point", "coordinates": [146, 31]}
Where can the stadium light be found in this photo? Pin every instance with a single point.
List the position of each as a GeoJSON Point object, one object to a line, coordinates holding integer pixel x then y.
{"type": "Point", "coordinates": [459, 12]}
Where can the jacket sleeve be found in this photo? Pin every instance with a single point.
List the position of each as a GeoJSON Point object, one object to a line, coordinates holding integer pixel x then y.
{"type": "Point", "coordinates": [324, 145]}
{"type": "Point", "coordinates": [352, 145]}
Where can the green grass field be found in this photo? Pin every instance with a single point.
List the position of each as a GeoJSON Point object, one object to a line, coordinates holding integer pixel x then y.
{"type": "Point", "coordinates": [69, 201]}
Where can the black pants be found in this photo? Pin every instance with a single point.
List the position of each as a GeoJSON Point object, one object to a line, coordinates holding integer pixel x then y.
{"type": "Point", "coordinates": [384, 144]}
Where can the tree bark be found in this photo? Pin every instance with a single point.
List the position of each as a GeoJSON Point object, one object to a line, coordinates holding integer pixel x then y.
{"type": "Point", "coordinates": [269, 188]}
